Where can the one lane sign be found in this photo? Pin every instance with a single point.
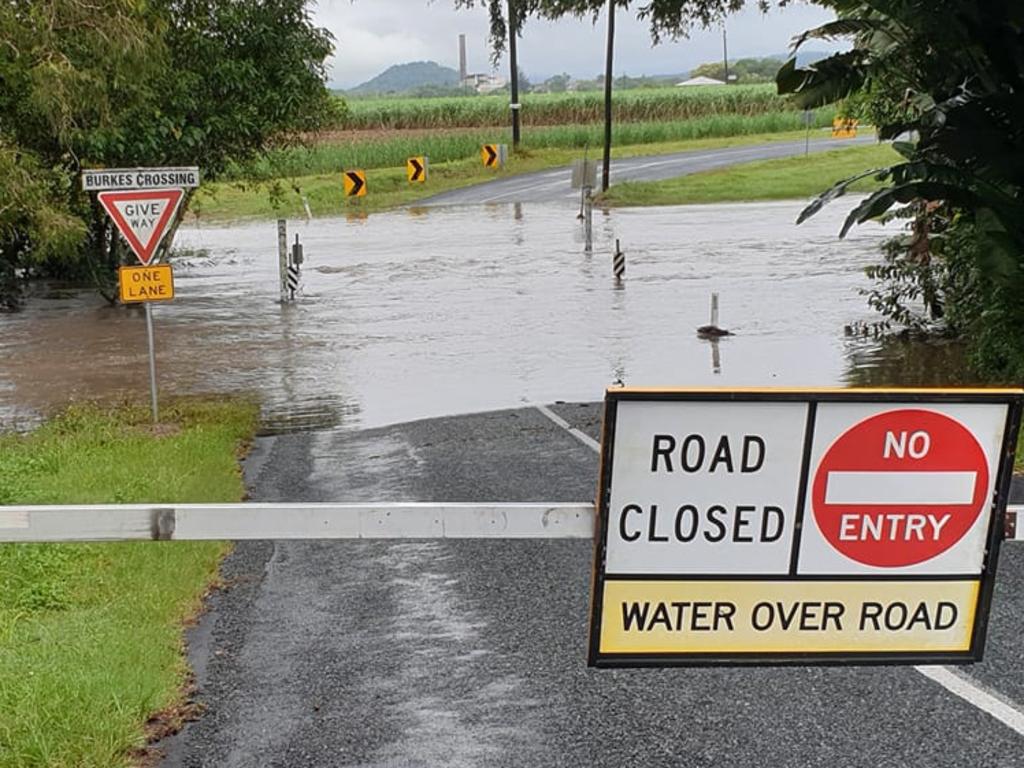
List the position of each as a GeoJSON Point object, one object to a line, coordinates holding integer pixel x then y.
{"type": "Point", "coordinates": [799, 526]}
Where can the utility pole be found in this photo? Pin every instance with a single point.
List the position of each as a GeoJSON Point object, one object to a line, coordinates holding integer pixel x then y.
{"type": "Point", "coordinates": [725, 54]}
{"type": "Point", "coordinates": [513, 33]}
{"type": "Point", "coordinates": [606, 167]}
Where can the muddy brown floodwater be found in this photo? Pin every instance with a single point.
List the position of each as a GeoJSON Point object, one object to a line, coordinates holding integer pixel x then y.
{"type": "Point", "coordinates": [425, 313]}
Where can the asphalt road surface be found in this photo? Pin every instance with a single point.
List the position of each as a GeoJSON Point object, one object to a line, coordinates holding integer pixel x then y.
{"type": "Point", "coordinates": [472, 653]}
{"type": "Point", "coordinates": [554, 185]}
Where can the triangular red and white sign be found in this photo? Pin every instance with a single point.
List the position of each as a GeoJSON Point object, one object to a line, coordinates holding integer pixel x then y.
{"type": "Point", "coordinates": [142, 216]}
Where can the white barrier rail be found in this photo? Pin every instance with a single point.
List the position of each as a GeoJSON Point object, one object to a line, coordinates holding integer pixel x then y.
{"type": "Point", "coordinates": [165, 522]}
{"type": "Point", "coordinates": [195, 522]}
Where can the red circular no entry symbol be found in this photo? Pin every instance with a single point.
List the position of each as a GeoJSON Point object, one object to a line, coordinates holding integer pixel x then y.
{"type": "Point", "coordinates": [900, 488]}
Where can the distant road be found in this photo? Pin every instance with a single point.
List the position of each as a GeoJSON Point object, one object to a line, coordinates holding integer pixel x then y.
{"type": "Point", "coordinates": [553, 185]}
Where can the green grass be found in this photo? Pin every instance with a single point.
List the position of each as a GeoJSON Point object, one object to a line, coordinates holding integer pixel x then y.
{"type": "Point", "coordinates": [90, 634]}
{"type": "Point", "coordinates": [791, 177]}
{"type": "Point", "coordinates": [393, 147]}
{"type": "Point", "coordinates": [388, 188]}
{"type": "Point", "coordinates": [639, 105]}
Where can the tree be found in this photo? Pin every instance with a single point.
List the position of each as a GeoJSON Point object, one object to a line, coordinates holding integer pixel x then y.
{"type": "Point", "coordinates": [667, 18]}
{"type": "Point", "coordinates": [746, 70]}
{"type": "Point", "coordinates": [111, 83]}
{"type": "Point", "coordinates": [945, 82]}
{"type": "Point", "coordinates": [558, 83]}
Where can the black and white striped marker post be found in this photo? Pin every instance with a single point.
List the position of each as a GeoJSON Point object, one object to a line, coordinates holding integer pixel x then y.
{"type": "Point", "coordinates": [619, 263]}
{"type": "Point", "coordinates": [293, 279]}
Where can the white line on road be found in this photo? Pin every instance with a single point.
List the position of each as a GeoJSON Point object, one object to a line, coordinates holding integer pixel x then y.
{"type": "Point", "coordinates": [587, 440]}
{"type": "Point", "coordinates": [1000, 707]}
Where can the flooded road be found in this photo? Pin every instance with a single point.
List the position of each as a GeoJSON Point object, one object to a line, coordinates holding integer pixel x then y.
{"type": "Point", "coordinates": [421, 313]}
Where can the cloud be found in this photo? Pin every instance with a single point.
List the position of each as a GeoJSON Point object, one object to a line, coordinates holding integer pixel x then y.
{"type": "Point", "coordinates": [374, 34]}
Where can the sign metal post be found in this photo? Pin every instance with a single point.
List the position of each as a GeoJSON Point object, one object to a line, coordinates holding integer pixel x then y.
{"type": "Point", "coordinates": [152, 363]}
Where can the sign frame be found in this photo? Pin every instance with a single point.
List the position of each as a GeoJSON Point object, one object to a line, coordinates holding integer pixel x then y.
{"type": "Point", "coordinates": [1013, 399]}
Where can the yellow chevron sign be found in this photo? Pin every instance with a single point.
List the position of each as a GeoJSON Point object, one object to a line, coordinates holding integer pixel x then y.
{"type": "Point", "coordinates": [416, 169]}
{"type": "Point", "coordinates": [493, 155]}
{"type": "Point", "coordinates": [844, 128]}
{"type": "Point", "coordinates": [355, 183]}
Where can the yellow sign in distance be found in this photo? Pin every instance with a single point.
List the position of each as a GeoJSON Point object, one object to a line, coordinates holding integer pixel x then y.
{"type": "Point", "coordinates": [416, 169]}
{"type": "Point", "coordinates": [355, 183]}
{"type": "Point", "coordinates": [844, 128]}
{"type": "Point", "coordinates": [152, 283]}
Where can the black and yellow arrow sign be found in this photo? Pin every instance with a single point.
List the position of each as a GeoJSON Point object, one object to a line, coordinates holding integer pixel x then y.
{"type": "Point", "coordinates": [416, 169]}
{"type": "Point", "coordinates": [844, 128]}
{"type": "Point", "coordinates": [489, 154]}
{"type": "Point", "coordinates": [355, 183]}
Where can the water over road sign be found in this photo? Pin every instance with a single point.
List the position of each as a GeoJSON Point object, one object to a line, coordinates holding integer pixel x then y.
{"type": "Point", "coordinates": [142, 216]}
{"type": "Point", "coordinates": [355, 183]}
{"type": "Point", "coordinates": [829, 526]}
{"type": "Point", "coordinates": [152, 283]}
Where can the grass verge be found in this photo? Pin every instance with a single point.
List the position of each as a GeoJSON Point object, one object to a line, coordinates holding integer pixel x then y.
{"type": "Point", "coordinates": [786, 178]}
{"type": "Point", "coordinates": [90, 634]}
{"type": "Point", "coordinates": [388, 188]}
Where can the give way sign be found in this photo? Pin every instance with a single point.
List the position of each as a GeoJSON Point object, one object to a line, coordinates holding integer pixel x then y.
{"type": "Point", "coordinates": [142, 216]}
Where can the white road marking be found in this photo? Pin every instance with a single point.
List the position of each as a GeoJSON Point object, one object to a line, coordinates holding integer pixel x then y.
{"type": "Point", "coordinates": [587, 440]}
{"type": "Point", "coordinates": [1003, 709]}
{"type": "Point", "coordinates": [888, 488]}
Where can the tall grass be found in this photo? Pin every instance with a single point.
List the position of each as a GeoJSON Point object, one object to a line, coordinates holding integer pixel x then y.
{"type": "Point", "coordinates": [393, 150]}
{"type": "Point", "coordinates": [90, 634]}
{"type": "Point", "coordinates": [641, 105]}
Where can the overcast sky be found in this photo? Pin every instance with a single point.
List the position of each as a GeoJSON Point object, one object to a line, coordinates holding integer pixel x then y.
{"type": "Point", "coordinates": [371, 35]}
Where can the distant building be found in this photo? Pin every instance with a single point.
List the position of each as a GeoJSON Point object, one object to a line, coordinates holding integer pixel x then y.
{"type": "Point", "coordinates": [482, 83]}
{"type": "Point", "coordinates": [699, 81]}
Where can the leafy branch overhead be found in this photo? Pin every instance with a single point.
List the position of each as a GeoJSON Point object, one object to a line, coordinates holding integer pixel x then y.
{"type": "Point", "coordinates": [946, 81]}
{"type": "Point", "coordinates": [109, 83]}
{"type": "Point", "coordinates": [668, 19]}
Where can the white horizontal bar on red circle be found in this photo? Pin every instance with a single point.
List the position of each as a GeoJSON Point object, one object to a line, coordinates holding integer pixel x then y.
{"type": "Point", "coordinates": [900, 488]}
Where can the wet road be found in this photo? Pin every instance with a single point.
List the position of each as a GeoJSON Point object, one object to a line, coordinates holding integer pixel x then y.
{"type": "Point", "coordinates": [411, 314]}
{"type": "Point", "coordinates": [553, 185]}
{"type": "Point", "coordinates": [472, 653]}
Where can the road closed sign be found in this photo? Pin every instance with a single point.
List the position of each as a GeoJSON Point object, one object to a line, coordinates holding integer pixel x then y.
{"type": "Point", "coordinates": [821, 526]}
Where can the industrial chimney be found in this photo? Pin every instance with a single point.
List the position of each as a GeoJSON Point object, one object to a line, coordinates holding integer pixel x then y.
{"type": "Point", "coordinates": [462, 59]}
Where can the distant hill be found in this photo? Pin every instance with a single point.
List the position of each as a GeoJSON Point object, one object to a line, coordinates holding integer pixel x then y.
{"type": "Point", "coordinates": [400, 78]}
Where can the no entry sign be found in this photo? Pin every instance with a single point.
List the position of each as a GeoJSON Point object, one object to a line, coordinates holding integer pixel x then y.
{"type": "Point", "coordinates": [830, 526]}
{"type": "Point", "coordinates": [900, 487]}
